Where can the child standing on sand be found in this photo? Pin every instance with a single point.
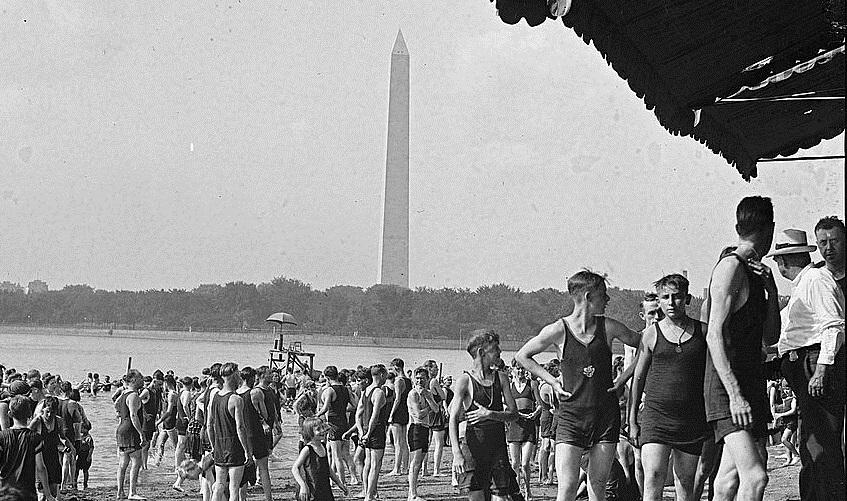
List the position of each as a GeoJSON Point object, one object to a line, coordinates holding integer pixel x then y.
{"type": "Point", "coordinates": [311, 468]}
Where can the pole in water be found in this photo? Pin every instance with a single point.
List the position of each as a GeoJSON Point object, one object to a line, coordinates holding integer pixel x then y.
{"type": "Point", "coordinates": [128, 364]}
{"type": "Point", "coordinates": [440, 370]}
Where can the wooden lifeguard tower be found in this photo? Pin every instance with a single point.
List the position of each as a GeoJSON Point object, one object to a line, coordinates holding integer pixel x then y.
{"type": "Point", "coordinates": [291, 357]}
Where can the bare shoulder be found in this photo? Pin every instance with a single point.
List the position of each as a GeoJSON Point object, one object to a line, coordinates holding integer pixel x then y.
{"type": "Point", "coordinates": [648, 336]}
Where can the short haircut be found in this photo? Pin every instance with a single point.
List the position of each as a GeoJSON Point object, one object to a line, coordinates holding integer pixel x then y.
{"type": "Point", "coordinates": [398, 362]}
{"type": "Point", "coordinates": [585, 281]}
{"type": "Point", "coordinates": [673, 280]}
{"type": "Point", "coordinates": [331, 372]}
{"type": "Point", "coordinates": [75, 396]}
{"type": "Point", "coordinates": [36, 385]}
{"type": "Point", "coordinates": [422, 370]}
{"type": "Point", "coordinates": [263, 370]}
{"type": "Point", "coordinates": [159, 375]}
{"type": "Point", "coordinates": [481, 338]}
{"type": "Point", "coordinates": [828, 223]}
{"type": "Point", "coordinates": [33, 374]}
{"type": "Point", "coordinates": [170, 382]}
{"type": "Point", "coordinates": [308, 429]}
{"type": "Point", "coordinates": [134, 376]}
{"type": "Point", "coordinates": [228, 369]}
{"type": "Point", "coordinates": [187, 382]}
{"type": "Point", "coordinates": [248, 374]}
{"type": "Point", "coordinates": [342, 377]}
{"type": "Point", "coordinates": [378, 370]}
{"type": "Point", "coordinates": [20, 407]}
{"type": "Point", "coordinates": [649, 297]}
{"type": "Point", "coordinates": [215, 370]}
{"type": "Point", "coordinates": [51, 402]}
{"type": "Point", "coordinates": [66, 387]}
{"type": "Point", "coordinates": [753, 215]}
{"type": "Point", "coordinates": [364, 374]}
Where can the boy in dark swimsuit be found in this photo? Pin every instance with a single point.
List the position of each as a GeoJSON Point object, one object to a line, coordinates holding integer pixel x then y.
{"type": "Point", "coordinates": [743, 312]}
{"type": "Point", "coordinates": [228, 433]}
{"type": "Point", "coordinates": [589, 416]}
{"type": "Point", "coordinates": [670, 368]}
{"type": "Point", "coordinates": [483, 398]}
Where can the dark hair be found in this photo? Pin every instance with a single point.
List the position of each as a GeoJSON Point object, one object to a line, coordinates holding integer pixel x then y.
{"type": "Point", "coordinates": [33, 374]}
{"type": "Point", "coordinates": [753, 215]}
{"type": "Point", "coordinates": [398, 362]}
{"type": "Point", "coordinates": [36, 384]}
{"type": "Point", "coordinates": [52, 402]}
{"type": "Point", "coordinates": [585, 281]}
{"type": "Point", "coordinates": [187, 382]}
{"type": "Point", "coordinates": [673, 280]}
{"type": "Point", "coordinates": [215, 370]}
{"type": "Point", "coordinates": [649, 297]}
{"type": "Point", "coordinates": [378, 370]}
{"type": "Point", "coordinates": [20, 407]}
{"type": "Point", "coordinates": [66, 387]}
{"type": "Point", "coordinates": [422, 370]}
{"type": "Point", "coordinates": [228, 369]}
{"type": "Point", "coordinates": [331, 372]}
{"type": "Point", "coordinates": [364, 374]}
{"type": "Point", "coordinates": [342, 377]}
{"type": "Point", "coordinates": [170, 382]}
{"type": "Point", "coordinates": [828, 223]}
{"type": "Point", "coordinates": [159, 375]}
{"type": "Point", "coordinates": [75, 396]}
{"type": "Point", "coordinates": [248, 374]}
{"type": "Point", "coordinates": [481, 338]}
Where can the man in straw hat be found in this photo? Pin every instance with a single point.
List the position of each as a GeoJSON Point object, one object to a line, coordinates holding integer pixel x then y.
{"type": "Point", "coordinates": [813, 364]}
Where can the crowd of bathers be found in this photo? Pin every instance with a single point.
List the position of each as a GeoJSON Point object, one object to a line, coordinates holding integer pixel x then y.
{"type": "Point", "coordinates": [689, 397]}
{"type": "Point", "coordinates": [45, 437]}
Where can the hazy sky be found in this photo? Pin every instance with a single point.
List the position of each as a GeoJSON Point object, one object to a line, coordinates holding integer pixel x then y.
{"type": "Point", "coordinates": [530, 157]}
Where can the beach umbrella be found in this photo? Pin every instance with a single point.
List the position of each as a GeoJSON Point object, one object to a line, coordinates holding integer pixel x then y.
{"type": "Point", "coordinates": [282, 318]}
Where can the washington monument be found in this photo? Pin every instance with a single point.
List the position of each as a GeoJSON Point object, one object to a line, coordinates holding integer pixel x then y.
{"type": "Point", "coordinates": [394, 267]}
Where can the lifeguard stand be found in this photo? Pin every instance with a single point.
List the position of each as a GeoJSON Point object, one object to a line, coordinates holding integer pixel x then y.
{"type": "Point", "coordinates": [292, 357]}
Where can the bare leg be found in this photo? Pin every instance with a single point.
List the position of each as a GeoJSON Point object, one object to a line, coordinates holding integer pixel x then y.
{"type": "Point", "coordinates": [742, 469]}
{"type": "Point", "coordinates": [600, 459]}
{"type": "Point", "coordinates": [265, 476]}
{"type": "Point", "coordinates": [684, 470]}
{"type": "Point", "coordinates": [134, 467]}
{"type": "Point", "coordinates": [567, 471]}
{"type": "Point", "coordinates": [123, 463]}
{"type": "Point", "coordinates": [417, 458]}
{"type": "Point", "coordinates": [654, 458]}
{"type": "Point", "coordinates": [438, 438]}
{"type": "Point", "coordinates": [235, 474]}
{"type": "Point", "coordinates": [373, 473]}
{"type": "Point", "coordinates": [527, 454]}
{"type": "Point", "coordinates": [336, 449]}
{"type": "Point", "coordinates": [221, 485]}
{"type": "Point", "coordinates": [544, 460]}
{"type": "Point", "coordinates": [401, 449]}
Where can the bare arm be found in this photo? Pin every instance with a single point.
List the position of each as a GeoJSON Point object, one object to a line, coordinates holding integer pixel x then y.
{"type": "Point", "coordinates": [510, 413]}
{"type": "Point", "coordinates": [627, 336]}
{"type": "Point", "coordinates": [641, 367]}
{"type": "Point", "coordinates": [549, 336]}
{"type": "Point", "coordinates": [773, 321]}
{"type": "Point", "coordinates": [329, 397]}
{"type": "Point", "coordinates": [727, 280]}
{"type": "Point", "coordinates": [297, 472]}
{"type": "Point", "coordinates": [537, 394]}
{"type": "Point", "coordinates": [133, 403]}
{"type": "Point", "coordinates": [399, 387]}
{"type": "Point", "coordinates": [378, 399]}
{"type": "Point", "coordinates": [457, 408]}
{"type": "Point", "coordinates": [257, 398]}
{"type": "Point", "coordinates": [170, 410]}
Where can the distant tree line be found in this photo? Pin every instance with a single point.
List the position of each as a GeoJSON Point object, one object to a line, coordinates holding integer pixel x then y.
{"type": "Point", "coordinates": [380, 310]}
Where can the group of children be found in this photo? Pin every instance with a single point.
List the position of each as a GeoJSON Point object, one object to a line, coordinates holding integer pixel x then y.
{"type": "Point", "coordinates": [45, 442]}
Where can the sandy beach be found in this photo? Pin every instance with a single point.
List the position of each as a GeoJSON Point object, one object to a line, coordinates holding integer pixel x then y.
{"type": "Point", "coordinates": [155, 483]}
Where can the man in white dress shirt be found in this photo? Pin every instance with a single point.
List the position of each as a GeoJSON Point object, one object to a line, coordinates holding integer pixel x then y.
{"type": "Point", "coordinates": [813, 362]}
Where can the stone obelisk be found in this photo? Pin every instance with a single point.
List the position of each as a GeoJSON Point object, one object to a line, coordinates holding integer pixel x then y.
{"type": "Point", "coordinates": [394, 262]}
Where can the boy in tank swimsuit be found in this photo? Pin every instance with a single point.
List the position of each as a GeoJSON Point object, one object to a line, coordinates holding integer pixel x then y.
{"type": "Point", "coordinates": [669, 371]}
{"type": "Point", "coordinates": [483, 398]}
{"type": "Point", "coordinates": [589, 416]}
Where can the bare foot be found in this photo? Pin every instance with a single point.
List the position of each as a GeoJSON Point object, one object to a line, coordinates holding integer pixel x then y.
{"type": "Point", "coordinates": [136, 497]}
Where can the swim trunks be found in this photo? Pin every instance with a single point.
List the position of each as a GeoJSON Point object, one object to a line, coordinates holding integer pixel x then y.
{"type": "Point", "coordinates": [591, 415]}
{"type": "Point", "coordinates": [418, 437]}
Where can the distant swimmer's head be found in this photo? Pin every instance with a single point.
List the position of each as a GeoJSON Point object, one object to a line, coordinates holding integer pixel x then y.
{"type": "Point", "coordinates": [588, 288]}
{"type": "Point", "coordinates": [248, 375]}
{"type": "Point", "coordinates": [754, 220]}
{"type": "Point", "coordinates": [673, 295]}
